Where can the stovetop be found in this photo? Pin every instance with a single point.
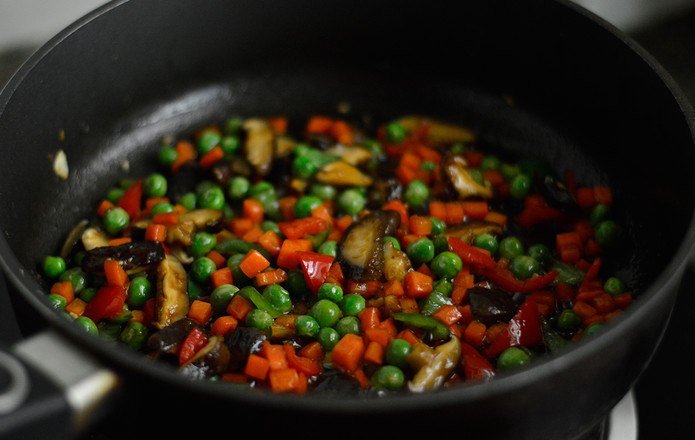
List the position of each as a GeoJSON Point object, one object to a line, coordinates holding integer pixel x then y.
{"type": "Point", "coordinates": [660, 403]}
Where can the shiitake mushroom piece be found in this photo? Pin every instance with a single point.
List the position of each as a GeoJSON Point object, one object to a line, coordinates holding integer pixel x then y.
{"type": "Point", "coordinates": [132, 255]}
{"type": "Point", "coordinates": [168, 339]}
{"type": "Point", "coordinates": [361, 250]}
{"type": "Point", "coordinates": [209, 361]}
{"type": "Point", "coordinates": [491, 305]}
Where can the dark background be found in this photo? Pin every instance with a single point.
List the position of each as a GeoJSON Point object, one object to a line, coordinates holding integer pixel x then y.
{"type": "Point", "coordinates": [664, 394]}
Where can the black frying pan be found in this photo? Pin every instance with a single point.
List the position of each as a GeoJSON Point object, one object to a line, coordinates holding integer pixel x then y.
{"type": "Point", "coordinates": [538, 77]}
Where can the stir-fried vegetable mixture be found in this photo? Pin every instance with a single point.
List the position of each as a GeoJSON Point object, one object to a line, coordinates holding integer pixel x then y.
{"type": "Point", "coordinates": [330, 259]}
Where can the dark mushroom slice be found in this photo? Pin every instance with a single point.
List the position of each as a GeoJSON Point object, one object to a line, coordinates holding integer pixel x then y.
{"type": "Point", "coordinates": [454, 170]}
{"type": "Point", "coordinates": [168, 339]}
{"type": "Point", "coordinates": [259, 145]}
{"type": "Point", "coordinates": [466, 232]}
{"type": "Point", "coordinates": [361, 250]}
{"type": "Point", "coordinates": [243, 342]}
{"type": "Point", "coordinates": [334, 383]}
{"type": "Point", "coordinates": [439, 134]}
{"type": "Point", "coordinates": [135, 255]}
{"type": "Point", "coordinates": [209, 361]}
{"type": "Point", "coordinates": [384, 190]}
{"type": "Point", "coordinates": [491, 305]}
{"type": "Point", "coordinates": [171, 303]}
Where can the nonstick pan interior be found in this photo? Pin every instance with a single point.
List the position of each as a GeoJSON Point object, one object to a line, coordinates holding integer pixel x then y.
{"type": "Point", "coordinates": [538, 79]}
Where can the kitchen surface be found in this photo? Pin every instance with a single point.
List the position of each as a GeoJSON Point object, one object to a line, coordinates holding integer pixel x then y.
{"type": "Point", "coordinates": [665, 28]}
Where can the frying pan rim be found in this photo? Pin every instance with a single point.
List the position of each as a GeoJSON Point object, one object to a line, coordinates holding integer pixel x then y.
{"type": "Point", "coordinates": [501, 385]}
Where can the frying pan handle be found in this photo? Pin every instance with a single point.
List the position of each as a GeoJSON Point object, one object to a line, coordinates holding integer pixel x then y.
{"type": "Point", "coordinates": [50, 389]}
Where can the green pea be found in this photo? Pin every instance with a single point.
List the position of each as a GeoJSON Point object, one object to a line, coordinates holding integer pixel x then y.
{"type": "Point", "coordinates": [416, 193]}
{"type": "Point", "coordinates": [352, 304]}
{"type": "Point", "coordinates": [540, 252]}
{"type": "Point", "coordinates": [351, 201]}
{"type": "Point", "coordinates": [330, 291]}
{"type": "Point", "coordinates": [441, 244]}
{"type": "Point", "coordinates": [278, 297]}
{"type": "Point", "coordinates": [328, 337]}
{"type": "Point", "coordinates": [211, 198]}
{"type": "Point", "coordinates": [348, 324]}
{"type": "Point", "coordinates": [607, 233]}
{"type": "Point", "coordinates": [486, 241]}
{"type": "Point", "coordinates": [155, 185]}
{"type": "Point", "coordinates": [304, 167]}
{"type": "Point", "coordinates": [134, 335]}
{"type": "Point", "coordinates": [238, 187]}
{"type": "Point", "coordinates": [305, 325]}
{"type": "Point", "coordinates": [296, 284]}
{"type": "Point", "coordinates": [167, 155]}
{"type": "Point", "coordinates": [202, 243]}
{"type": "Point", "coordinates": [238, 275]}
{"type": "Point", "coordinates": [614, 286]}
{"type": "Point", "coordinates": [230, 145]}
{"type": "Point", "coordinates": [568, 321]}
{"type": "Point", "coordinates": [438, 226]}
{"type": "Point", "coordinates": [233, 125]}
{"type": "Point", "coordinates": [57, 302]}
{"type": "Point", "coordinates": [87, 294]}
{"type": "Point", "coordinates": [76, 276]}
{"type": "Point", "coordinates": [388, 377]}
{"type": "Point", "coordinates": [202, 268]}
{"type": "Point", "coordinates": [329, 247]}
{"type": "Point", "coordinates": [510, 247]}
{"type": "Point", "coordinates": [208, 140]}
{"type": "Point", "coordinates": [446, 264]}
{"type": "Point", "coordinates": [523, 266]}
{"type": "Point", "coordinates": [512, 357]}
{"type": "Point", "coordinates": [87, 325]}
{"type": "Point", "coordinates": [599, 213]}
{"type": "Point", "coordinates": [394, 241]}
{"type": "Point", "coordinates": [323, 192]}
{"type": "Point", "coordinates": [520, 186]}
{"type": "Point", "coordinates": [195, 291]}
{"type": "Point", "coordinates": [428, 166]}
{"type": "Point", "coordinates": [54, 267]}
{"type": "Point", "coordinates": [161, 207]}
{"type": "Point", "coordinates": [397, 351]}
{"type": "Point", "coordinates": [139, 291]}
{"type": "Point", "coordinates": [303, 206]}
{"type": "Point", "coordinates": [509, 171]}
{"type": "Point", "coordinates": [189, 201]}
{"type": "Point", "coordinates": [594, 328]}
{"type": "Point", "coordinates": [490, 163]}
{"type": "Point", "coordinates": [269, 225]}
{"type": "Point", "coordinates": [115, 220]}
{"type": "Point", "coordinates": [221, 296]}
{"type": "Point", "coordinates": [114, 195]}
{"type": "Point", "coordinates": [325, 312]}
{"type": "Point", "coordinates": [476, 175]}
{"type": "Point", "coordinates": [395, 133]}
{"type": "Point", "coordinates": [259, 319]}
{"type": "Point", "coordinates": [420, 251]}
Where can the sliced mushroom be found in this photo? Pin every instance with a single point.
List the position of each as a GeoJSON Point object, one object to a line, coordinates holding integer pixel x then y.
{"type": "Point", "coordinates": [491, 305]}
{"type": "Point", "coordinates": [171, 302]}
{"type": "Point", "coordinates": [94, 237]}
{"type": "Point", "coordinates": [133, 256]}
{"type": "Point", "coordinates": [168, 339]}
{"type": "Point", "coordinates": [396, 263]}
{"type": "Point", "coordinates": [438, 133]}
{"type": "Point", "coordinates": [208, 361]}
{"type": "Point", "coordinates": [352, 154]}
{"type": "Point", "coordinates": [341, 173]}
{"type": "Point", "coordinates": [361, 250]}
{"type": "Point", "coordinates": [284, 146]}
{"type": "Point", "coordinates": [466, 232]}
{"type": "Point", "coordinates": [259, 145]}
{"type": "Point", "coordinates": [434, 366]}
{"type": "Point", "coordinates": [454, 169]}
{"type": "Point", "coordinates": [74, 237]}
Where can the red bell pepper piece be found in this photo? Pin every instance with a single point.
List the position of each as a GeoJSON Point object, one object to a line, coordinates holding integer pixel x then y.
{"type": "Point", "coordinates": [302, 364]}
{"type": "Point", "coordinates": [475, 365]}
{"type": "Point", "coordinates": [505, 279]}
{"type": "Point", "coordinates": [107, 303]}
{"type": "Point", "coordinates": [524, 329]}
{"type": "Point", "coordinates": [298, 228]}
{"type": "Point", "coordinates": [534, 215]}
{"type": "Point", "coordinates": [195, 340]}
{"type": "Point", "coordinates": [315, 267]}
{"type": "Point", "coordinates": [471, 254]}
{"type": "Point", "coordinates": [131, 200]}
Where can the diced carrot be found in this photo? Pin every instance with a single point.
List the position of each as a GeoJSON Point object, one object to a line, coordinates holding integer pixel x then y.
{"type": "Point", "coordinates": [278, 124]}
{"type": "Point", "coordinates": [200, 311]}
{"type": "Point", "coordinates": [603, 195]}
{"type": "Point", "coordinates": [312, 350]}
{"type": "Point", "coordinates": [410, 160]}
{"type": "Point", "coordinates": [389, 325]}
{"type": "Point", "coordinates": [221, 277]}
{"type": "Point", "coordinates": [348, 352]}
{"type": "Point", "coordinates": [217, 258]}
{"type": "Point", "coordinates": [252, 209]}
{"type": "Point", "coordinates": [494, 331]}
{"type": "Point", "coordinates": [257, 367]}
{"type": "Point", "coordinates": [426, 153]}
{"type": "Point", "coordinates": [104, 206]}
{"type": "Point", "coordinates": [271, 242]}
{"type": "Point", "coordinates": [271, 277]}
{"type": "Point", "coordinates": [399, 207]}
{"type": "Point", "coordinates": [234, 377]}
{"type": "Point", "coordinates": [408, 304]}
{"type": "Point", "coordinates": [374, 353]}
{"type": "Point", "coordinates": [341, 132]}
{"type": "Point", "coordinates": [156, 232]}
{"type": "Point", "coordinates": [570, 253]}
{"type": "Point", "coordinates": [241, 225]}
{"type": "Point", "coordinates": [286, 205]}
{"type": "Point", "coordinates": [448, 314]}
{"type": "Point", "coordinates": [394, 287]}
{"type": "Point", "coordinates": [370, 317]}
{"type": "Point", "coordinates": [166, 218]}
{"type": "Point", "coordinates": [114, 273]}
{"type": "Point", "coordinates": [253, 234]}
{"type": "Point", "coordinates": [622, 300]}
{"type": "Point", "coordinates": [239, 307]}
{"type": "Point", "coordinates": [137, 316]}
{"type": "Point", "coordinates": [466, 314]}
{"type": "Point", "coordinates": [186, 152]}
{"type": "Point", "coordinates": [584, 310]}
{"type": "Point", "coordinates": [475, 210]}
{"type": "Point", "coordinates": [417, 284]}
{"type": "Point", "coordinates": [344, 221]}
{"type": "Point", "coordinates": [120, 241]}
{"type": "Point", "coordinates": [454, 213]}
{"type": "Point", "coordinates": [224, 325]}
{"type": "Point", "coordinates": [409, 336]}
{"type": "Point", "coordinates": [319, 124]}
{"type": "Point", "coordinates": [604, 303]}
{"type": "Point", "coordinates": [212, 156]}
{"type": "Point", "coordinates": [437, 210]}
{"type": "Point", "coordinates": [253, 263]}
{"type": "Point", "coordinates": [420, 225]}
{"type": "Point", "coordinates": [585, 197]}
{"type": "Point", "coordinates": [496, 217]}
{"type": "Point", "coordinates": [287, 257]}
{"type": "Point", "coordinates": [335, 274]}
{"type": "Point", "coordinates": [474, 333]}
{"type": "Point", "coordinates": [76, 306]}
{"type": "Point", "coordinates": [378, 335]}
{"type": "Point", "coordinates": [284, 380]}
{"type": "Point", "coordinates": [275, 354]}
{"type": "Point", "coordinates": [304, 365]}
{"type": "Point", "coordinates": [588, 294]}
{"type": "Point", "coordinates": [425, 269]}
